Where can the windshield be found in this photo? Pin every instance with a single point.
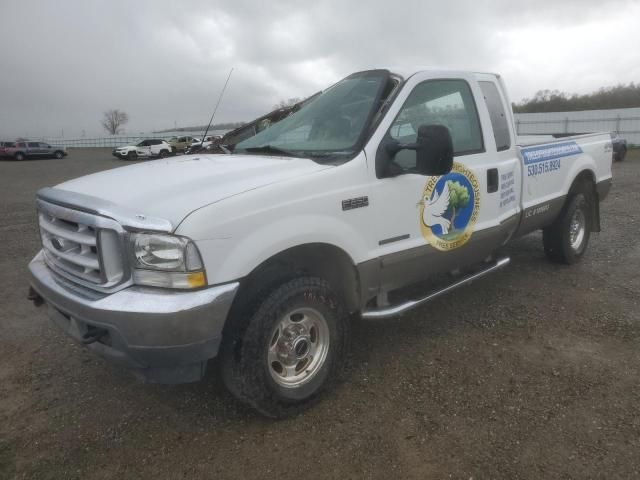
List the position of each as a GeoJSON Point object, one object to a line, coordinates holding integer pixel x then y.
{"type": "Point", "coordinates": [334, 122]}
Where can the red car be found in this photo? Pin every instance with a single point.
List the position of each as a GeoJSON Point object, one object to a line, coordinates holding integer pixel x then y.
{"type": "Point", "coordinates": [4, 148]}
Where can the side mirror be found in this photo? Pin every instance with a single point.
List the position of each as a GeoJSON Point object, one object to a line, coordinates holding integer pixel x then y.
{"type": "Point", "coordinates": [433, 147]}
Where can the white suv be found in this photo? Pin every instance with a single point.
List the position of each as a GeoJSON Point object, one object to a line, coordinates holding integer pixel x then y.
{"type": "Point", "coordinates": [147, 148]}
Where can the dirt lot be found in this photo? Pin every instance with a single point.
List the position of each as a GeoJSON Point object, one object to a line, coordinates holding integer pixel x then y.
{"type": "Point", "coordinates": [531, 373]}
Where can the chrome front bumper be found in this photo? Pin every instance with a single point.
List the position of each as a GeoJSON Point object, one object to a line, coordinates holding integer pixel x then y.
{"type": "Point", "coordinates": [165, 336]}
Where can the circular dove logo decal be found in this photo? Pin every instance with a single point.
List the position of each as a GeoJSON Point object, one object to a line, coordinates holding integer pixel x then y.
{"type": "Point", "coordinates": [449, 208]}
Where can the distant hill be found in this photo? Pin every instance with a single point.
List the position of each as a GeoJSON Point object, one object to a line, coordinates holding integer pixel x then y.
{"type": "Point", "coordinates": [216, 126]}
{"type": "Point", "coordinates": [620, 96]}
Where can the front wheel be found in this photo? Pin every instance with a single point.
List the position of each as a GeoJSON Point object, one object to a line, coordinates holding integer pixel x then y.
{"type": "Point", "coordinates": [566, 240]}
{"type": "Point", "coordinates": [19, 156]}
{"type": "Point", "coordinates": [163, 153]}
{"type": "Point", "coordinates": [293, 346]}
{"type": "Point", "coordinates": [132, 156]}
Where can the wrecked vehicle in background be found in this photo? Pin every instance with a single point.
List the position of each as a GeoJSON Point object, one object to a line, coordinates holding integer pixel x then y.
{"type": "Point", "coordinates": [227, 142]}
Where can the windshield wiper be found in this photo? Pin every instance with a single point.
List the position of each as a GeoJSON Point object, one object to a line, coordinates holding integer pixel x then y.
{"type": "Point", "coordinates": [270, 149]}
{"type": "Point", "coordinates": [328, 153]}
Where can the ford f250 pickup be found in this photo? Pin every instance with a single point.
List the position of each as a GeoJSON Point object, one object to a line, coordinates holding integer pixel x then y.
{"type": "Point", "coordinates": [386, 190]}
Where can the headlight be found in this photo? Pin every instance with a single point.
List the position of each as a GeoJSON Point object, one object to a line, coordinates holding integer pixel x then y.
{"type": "Point", "coordinates": [162, 260]}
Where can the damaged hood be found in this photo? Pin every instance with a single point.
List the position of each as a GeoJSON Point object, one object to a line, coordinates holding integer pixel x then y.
{"type": "Point", "coordinates": [173, 188]}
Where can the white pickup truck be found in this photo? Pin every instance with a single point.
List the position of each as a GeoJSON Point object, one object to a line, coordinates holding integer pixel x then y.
{"type": "Point", "coordinates": [386, 184]}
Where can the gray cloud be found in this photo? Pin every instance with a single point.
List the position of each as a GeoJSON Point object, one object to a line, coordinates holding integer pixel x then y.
{"type": "Point", "coordinates": [64, 63]}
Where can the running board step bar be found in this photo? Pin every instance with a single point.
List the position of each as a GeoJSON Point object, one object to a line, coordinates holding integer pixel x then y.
{"type": "Point", "coordinates": [411, 304]}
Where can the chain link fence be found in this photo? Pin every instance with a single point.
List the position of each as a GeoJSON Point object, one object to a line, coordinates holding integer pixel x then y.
{"type": "Point", "coordinates": [120, 140]}
{"type": "Point", "coordinates": [104, 142]}
{"type": "Point", "coordinates": [625, 122]}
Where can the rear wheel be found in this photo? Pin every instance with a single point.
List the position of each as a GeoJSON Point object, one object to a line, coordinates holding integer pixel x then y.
{"type": "Point", "coordinates": [58, 155]}
{"type": "Point", "coordinates": [566, 240]}
{"type": "Point", "coordinates": [292, 347]}
{"type": "Point", "coordinates": [620, 156]}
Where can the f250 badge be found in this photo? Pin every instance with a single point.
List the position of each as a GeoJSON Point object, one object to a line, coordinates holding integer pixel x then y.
{"type": "Point", "coordinates": [449, 208]}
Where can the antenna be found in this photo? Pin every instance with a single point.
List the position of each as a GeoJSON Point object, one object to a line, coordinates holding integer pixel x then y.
{"type": "Point", "coordinates": [216, 108]}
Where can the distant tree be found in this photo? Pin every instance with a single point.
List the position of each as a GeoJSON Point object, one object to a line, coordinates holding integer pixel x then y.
{"type": "Point", "coordinates": [620, 96]}
{"type": "Point", "coordinates": [458, 198]}
{"type": "Point", "coordinates": [287, 103]}
{"type": "Point", "coordinates": [113, 120]}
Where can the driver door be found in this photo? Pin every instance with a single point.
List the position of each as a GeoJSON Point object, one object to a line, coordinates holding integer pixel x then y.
{"type": "Point", "coordinates": [427, 225]}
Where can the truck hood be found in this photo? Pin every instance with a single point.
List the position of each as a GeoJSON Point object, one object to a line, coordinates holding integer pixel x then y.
{"type": "Point", "coordinates": [173, 188]}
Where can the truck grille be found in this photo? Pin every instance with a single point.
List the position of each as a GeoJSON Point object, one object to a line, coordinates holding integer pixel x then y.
{"type": "Point", "coordinates": [82, 247]}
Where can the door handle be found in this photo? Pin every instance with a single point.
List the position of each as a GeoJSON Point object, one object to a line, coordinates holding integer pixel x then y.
{"type": "Point", "coordinates": [492, 180]}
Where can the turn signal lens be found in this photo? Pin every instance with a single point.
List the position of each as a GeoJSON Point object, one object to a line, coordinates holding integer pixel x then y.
{"type": "Point", "coordinates": [177, 280]}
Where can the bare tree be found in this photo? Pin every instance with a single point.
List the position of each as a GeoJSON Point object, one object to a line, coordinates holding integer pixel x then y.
{"type": "Point", "coordinates": [286, 103]}
{"type": "Point", "coordinates": [113, 120]}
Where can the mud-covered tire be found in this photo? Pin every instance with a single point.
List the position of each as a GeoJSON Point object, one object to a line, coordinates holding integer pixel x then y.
{"type": "Point", "coordinates": [247, 351]}
{"type": "Point", "coordinates": [566, 240]}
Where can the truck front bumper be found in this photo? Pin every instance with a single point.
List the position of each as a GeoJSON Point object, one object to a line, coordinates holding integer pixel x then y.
{"type": "Point", "coordinates": [165, 336]}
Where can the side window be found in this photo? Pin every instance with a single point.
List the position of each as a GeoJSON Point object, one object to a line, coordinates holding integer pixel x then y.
{"type": "Point", "coordinates": [438, 102]}
{"type": "Point", "coordinates": [45, 145]}
{"type": "Point", "coordinates": [33, 145]}
{"type": "Point", "coordinates": [499, 120]}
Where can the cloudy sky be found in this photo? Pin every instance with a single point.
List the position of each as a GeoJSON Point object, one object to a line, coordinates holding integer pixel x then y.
{"type": "Point", "coordinates": [64, 62]}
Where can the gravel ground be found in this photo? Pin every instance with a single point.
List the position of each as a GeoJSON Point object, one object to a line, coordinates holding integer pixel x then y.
{"type": "Point", "coordinates": [531, 373]}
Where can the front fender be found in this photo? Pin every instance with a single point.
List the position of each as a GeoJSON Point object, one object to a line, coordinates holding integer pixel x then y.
{"type": "Point", "coordinates": [233, 258]}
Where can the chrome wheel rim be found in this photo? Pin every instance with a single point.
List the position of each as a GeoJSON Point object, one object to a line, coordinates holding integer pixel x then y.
{"type": "Point", "coordinates": [577, 229]}
{"type": "Point", "coordinates": [298, 347]}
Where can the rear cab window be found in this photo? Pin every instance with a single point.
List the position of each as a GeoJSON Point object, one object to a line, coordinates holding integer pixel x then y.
{"type": "Point", "coordinates": [499, 120]}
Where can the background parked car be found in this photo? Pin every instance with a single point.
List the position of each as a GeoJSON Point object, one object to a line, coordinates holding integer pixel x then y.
{"type": "Point", "coordinates": [180, 144]}
{"type": "Point", "coordinates": [22, 150]}
{"type": "Point", "coordinates": [198, 146]}
{"type": "Point", "coordinates": [4, 146]}
{"type": "Point", "coordinates": [152, 147]}
{"type": "Point", "coordinates": [619, 147]}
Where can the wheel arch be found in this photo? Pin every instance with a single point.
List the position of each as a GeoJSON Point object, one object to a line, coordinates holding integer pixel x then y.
{"type": "Point", "coordinates": [585, 181]}
{"type": "Point", "coordinates": [585, 176]}
{"type": "Point", "coordinates": [323, 260]}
